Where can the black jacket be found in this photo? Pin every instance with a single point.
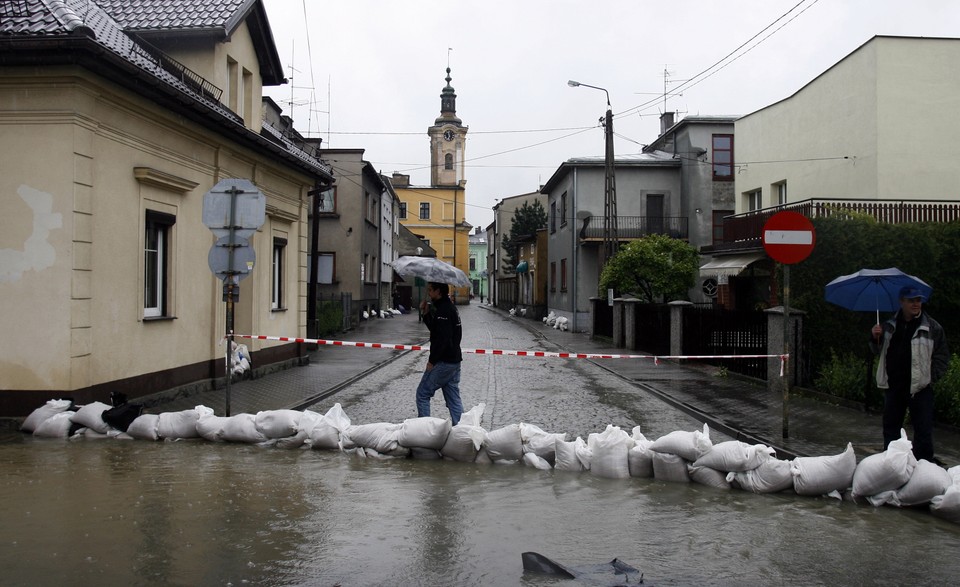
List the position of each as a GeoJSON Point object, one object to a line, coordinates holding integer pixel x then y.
{"type": "Point", "coordinates": [443, 320]}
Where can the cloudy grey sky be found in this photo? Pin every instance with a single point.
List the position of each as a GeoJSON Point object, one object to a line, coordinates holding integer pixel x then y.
{"type": "Point", "coordinates": [368, 73]}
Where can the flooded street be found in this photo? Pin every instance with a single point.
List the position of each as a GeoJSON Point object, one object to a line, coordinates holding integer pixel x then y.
{"type": "Point", "coordinates": [192, 512]}
{"type": "Point", "coordinates": [198, 513]}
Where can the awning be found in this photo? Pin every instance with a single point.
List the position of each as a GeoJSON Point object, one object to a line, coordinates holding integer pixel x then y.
{"type": "Point", "coordinates": [522, 267]}
{"type": "Point", "coordinates": [730, 264]}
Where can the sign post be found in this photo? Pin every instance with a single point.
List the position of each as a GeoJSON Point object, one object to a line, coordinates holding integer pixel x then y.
{"type": "Point", "coordinates": [233, 210]}
{"type": "Point", "coordinates": [788, 237]}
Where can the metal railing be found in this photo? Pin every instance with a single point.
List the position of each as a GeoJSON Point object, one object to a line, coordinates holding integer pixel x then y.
{"type": "Point", "coordinates": [746, 228]}
{"type": "Point", "coordinates": [635, 227]}
{"type": "Point", "coordinates": [184, 74]}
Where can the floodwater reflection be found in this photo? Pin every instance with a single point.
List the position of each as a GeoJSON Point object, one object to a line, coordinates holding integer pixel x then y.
{"type": "Point", "coordinates": [198, 513]}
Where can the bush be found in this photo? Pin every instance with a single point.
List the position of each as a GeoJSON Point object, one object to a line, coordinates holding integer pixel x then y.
{"type": "Point", "coordinates": [946, 395]}
{"type": "Point", "coordinates": [843, 376]}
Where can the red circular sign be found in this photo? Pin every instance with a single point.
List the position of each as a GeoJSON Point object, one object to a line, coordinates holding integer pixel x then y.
{"type": "Point", "coordinates": [788, 237]}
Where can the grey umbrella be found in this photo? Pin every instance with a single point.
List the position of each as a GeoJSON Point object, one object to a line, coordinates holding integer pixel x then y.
{"type": "Point", "coordinates": [430, 269]}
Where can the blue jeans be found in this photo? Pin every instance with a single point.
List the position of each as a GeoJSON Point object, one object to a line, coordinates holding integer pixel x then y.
{"type": "Point", "coordinates": [445, 376]}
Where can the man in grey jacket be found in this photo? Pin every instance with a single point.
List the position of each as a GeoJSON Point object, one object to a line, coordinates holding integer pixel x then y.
{"type": "Point", "coordinates": [913, 356]}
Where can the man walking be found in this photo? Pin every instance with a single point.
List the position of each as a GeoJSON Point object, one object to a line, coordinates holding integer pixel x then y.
{"type": "Point", "coordinates": [443, 365]}
{"type": "Point", "coordinates": [913, 356]}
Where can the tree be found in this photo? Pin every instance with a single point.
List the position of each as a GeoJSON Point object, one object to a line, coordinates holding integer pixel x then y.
{"type": "Point", "coordinates": [654, 268]}
{"type": "Point", "coordinates": [526, 221]}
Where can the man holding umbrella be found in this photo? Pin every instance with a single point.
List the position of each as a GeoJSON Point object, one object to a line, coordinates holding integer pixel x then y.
{"type": "Point", "coordinates": [913, 356]}
{"type": "Point", "coordinates": [443, 365]}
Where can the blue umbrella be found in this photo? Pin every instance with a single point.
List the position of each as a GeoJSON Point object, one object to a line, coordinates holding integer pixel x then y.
{"type": "Point", "coordinates": [870, 290]}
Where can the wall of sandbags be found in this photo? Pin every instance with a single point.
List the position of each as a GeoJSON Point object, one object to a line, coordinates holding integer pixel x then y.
{"type": "Point", "coordinates": [893, 477]}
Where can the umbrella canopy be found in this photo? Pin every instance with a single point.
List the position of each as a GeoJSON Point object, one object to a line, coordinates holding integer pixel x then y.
{"type": "Point", "coordinates": [872, 290]}
{"type": "Point", "coordinates": [430, 269]}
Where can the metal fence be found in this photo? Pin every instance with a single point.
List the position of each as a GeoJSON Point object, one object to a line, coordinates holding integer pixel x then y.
{"type": "Point", "coordinates": [653, 328]}
{"type": "Point", "coordinates": [333, 315]}
{"type": "Point", "coordinates": [714, 331]}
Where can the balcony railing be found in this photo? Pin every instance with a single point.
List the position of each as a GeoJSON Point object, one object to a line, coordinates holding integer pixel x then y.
{"type": "Point", "coordinates": [745, 230]}
{"type": "Point", "coordinates": [636, 227]}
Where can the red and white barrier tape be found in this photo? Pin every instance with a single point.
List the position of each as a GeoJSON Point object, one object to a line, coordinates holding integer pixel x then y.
{"type": "Point", "coordinates": [416, 347]}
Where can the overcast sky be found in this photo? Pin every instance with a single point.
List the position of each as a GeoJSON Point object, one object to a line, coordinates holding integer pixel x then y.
{"type": "Point", "coordinates": [368, 73]}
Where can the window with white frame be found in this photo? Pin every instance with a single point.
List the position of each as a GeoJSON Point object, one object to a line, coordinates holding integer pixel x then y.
{"type": "Point", "coordinates": [276, 289]}
{"type": "Point", "coordinates": [781, 192]}
{"type": "Point", "coordinates": [328, 200]}
{"type": "Point", "coordinates": [326, 268]}
{"type": "Point", "coordinates": [156, 263]}
{"type": "Point", "coordinates": [753, 200]}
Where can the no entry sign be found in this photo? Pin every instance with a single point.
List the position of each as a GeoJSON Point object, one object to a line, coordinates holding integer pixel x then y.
{"type": "Point", "coordinates": [788, 237]}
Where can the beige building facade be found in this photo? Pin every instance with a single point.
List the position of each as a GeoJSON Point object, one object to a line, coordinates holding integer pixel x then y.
{"type": "Point", "coordinates": [106, 158]}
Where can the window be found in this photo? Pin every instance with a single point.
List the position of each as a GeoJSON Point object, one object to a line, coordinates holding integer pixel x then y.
{"type": "Point", "coordinates": [448, 161]}
{"type": "Point", "coordinates": [553, 276]}
{"type": "Point", "coordinates": [448, 211]}
{"type": "Point", "coordinates": [156, 263]}
{"type": "Point", "coordinates": [563, 275]}
{"type": "Point", "coordinates": [754, 200]}
{"type": "Point", "coordinates": [718, 225]}
{"type": "Point", "coordinates": [781, 192]}
{"type": "Point", "coordinates": [723, 157]}
{"type": "Point", "coordinates": [276, 289]}
{"type": "Point", "coordinates": [424, 210]}
{"type": "Point", "coordinates": [326, 268]}
{"type": "Point", "coordinates": [553, 217]}
{"type": "Point", "coordinates": [447, 248]}
{"type": "Point", "coordinates": [403, 210]}
{"type": "Point", "coordinates": [563, 209]}
{"type": "Point", "coordinates": [328, 201]}
{"type": "Point", "coordinates": [371, 206]}
{"type": "Point", "coordinates": [473, 262]}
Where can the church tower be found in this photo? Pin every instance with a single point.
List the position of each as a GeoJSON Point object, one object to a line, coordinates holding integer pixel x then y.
{"type": "Point", "coordinates": [447, 142]}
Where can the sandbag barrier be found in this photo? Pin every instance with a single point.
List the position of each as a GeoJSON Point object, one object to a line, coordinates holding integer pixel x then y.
{"type": "Point", "coordinates": [893, 477]}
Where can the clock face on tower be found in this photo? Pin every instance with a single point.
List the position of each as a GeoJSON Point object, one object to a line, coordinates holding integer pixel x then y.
{"type": "Point", "coordinates": [448, 135]}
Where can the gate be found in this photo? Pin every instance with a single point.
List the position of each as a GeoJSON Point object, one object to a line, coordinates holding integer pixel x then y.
{"type": "Point", "coordinates": [602, 318]}
{"type": "Point", "coordinates": [710, 331]}
{"type": "Point", "coordinates": [653, 328]}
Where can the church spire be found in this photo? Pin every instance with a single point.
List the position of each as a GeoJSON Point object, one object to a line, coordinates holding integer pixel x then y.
{"type": "Point", "coordinates": [448, 103]}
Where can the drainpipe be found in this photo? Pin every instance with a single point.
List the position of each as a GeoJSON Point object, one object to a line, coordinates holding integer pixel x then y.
{"type": "Point", "coordinates": [573, 239]}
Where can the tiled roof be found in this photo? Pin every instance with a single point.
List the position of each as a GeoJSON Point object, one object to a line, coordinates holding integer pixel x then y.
{"type": "Point", "coordinates": [159, 15]}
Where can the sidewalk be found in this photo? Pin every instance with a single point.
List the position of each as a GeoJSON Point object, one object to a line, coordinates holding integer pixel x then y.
{"type": "Point", "coordinates": [738, 407]}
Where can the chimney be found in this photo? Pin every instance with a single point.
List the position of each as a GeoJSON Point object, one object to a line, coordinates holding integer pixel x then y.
{"type": "Point", "coordinates": [400, 180]}
{"type": "Point", "coordinates": [666, 121]}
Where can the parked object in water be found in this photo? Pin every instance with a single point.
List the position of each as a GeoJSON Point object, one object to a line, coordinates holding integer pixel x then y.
{"type": "Point", "coordinates": [614, 573]}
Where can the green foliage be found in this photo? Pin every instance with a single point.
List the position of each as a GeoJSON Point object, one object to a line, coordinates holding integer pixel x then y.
{"type": "Point", "coordinates": [329, 317]}
{"type": "Point", "coordinates": [946, 394]}
{"type": "Point", "coordinates": [654, 268]}
{"type": "Point", "coordinates": [847, 244]}
{"type": "Point", "coordinates": [526, 221]}
{"type": "Point", "coordinates": [845, 376]}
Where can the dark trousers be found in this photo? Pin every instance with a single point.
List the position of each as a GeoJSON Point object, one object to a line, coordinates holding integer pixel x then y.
{"type": "Point", "coordinates": [895, 407]}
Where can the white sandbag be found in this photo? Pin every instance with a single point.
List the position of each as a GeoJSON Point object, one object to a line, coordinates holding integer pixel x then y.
{"type": "Point", "coordinates": [473, 416]}
{"type": "Point", "coordinates": [54, 406]}
{"type": "Point", "coordinates": [566, 455]}
{"type": "Point", "coordinates": [543, 444]}
{"type": "Point", "coordinates": [182, 424]}
{"type": "Point", "coordinates": [463, 442]}
{"type": "Point", "coordinates": [380, 436]}
{"type": "Point", "coordinates": [308, 420]}
{"type": "Point", "coordinates": [209, 426]}
{"type": "Point", "coordinates": [278, 423]}
{"type": "Point", "coordinates": [324, 435]}
{"type": "Point", "coordinates": [425, 432]}
{"type": "Point", "coordinates": [608, 450]}
{"type": "Point", "coordinates": [531, 459]}
{"type": "Point", "coordinates": [773, 475]}
{"type": "Point", "coordinates": [640, 460]}
{"type": "Point", "coordinates": [144, 427]}
{"type": "Point", "coordinates": [887, 470]}
{"type": "Point", "coordinates": [884, 498]}
{"type": "Point", "coordinates": [242, 428]}
{"type": "Point", "coordinates": [91, 416]}
{"type": "Point", "coordinates": [670, 467]}
{"type": "Point", "coordinates": [947, 506]}
{"type": "Point", "coordinates": [821, 475]}
{"type": "Point", "coordinates": [337, 418]}
{"type": "Point", "coordinates": [504, 444]}
{"type": "Point", "coordinates": [707, 476]}
{"type": "Point", "coordinates": [734, 456]}
{"type": "Point", "coordinates": [482, 457]}
{"type": "Point", "coordinates": [927, 481]}
{"type": "Point", "coordinates": [688, 445]}
{"type": "Point", "coordinates": [56, 426]}
{"type": "Point", "coordinates": [425, 454]}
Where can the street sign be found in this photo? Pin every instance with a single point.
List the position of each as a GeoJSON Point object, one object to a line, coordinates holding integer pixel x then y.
{"type": "Point", "coordinates": [788, 237]}
{"type": "Point", "coordinates": [236, 198]}
{"type": "Point", "coordinates": [244, 258]}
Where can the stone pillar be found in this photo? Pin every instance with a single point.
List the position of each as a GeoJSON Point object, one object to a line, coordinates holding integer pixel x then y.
{"type": "Point", "coordinates": [630, 322]}
{"type": "Point", "coordinates": [593, 314]}
{"type": "Point", "coordinates": [618, 323]}
{"type": "Point", "coordinates": [676, 326]}
{"type": "Point", "coordinates": [775, 382]}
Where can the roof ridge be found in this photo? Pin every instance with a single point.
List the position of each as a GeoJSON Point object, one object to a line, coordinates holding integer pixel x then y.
{"type": "Point", "coordinates": [70, 20]}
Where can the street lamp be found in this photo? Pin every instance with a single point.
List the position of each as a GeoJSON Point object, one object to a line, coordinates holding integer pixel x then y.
{"type": "Point", "coordinates": [610, 241]}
